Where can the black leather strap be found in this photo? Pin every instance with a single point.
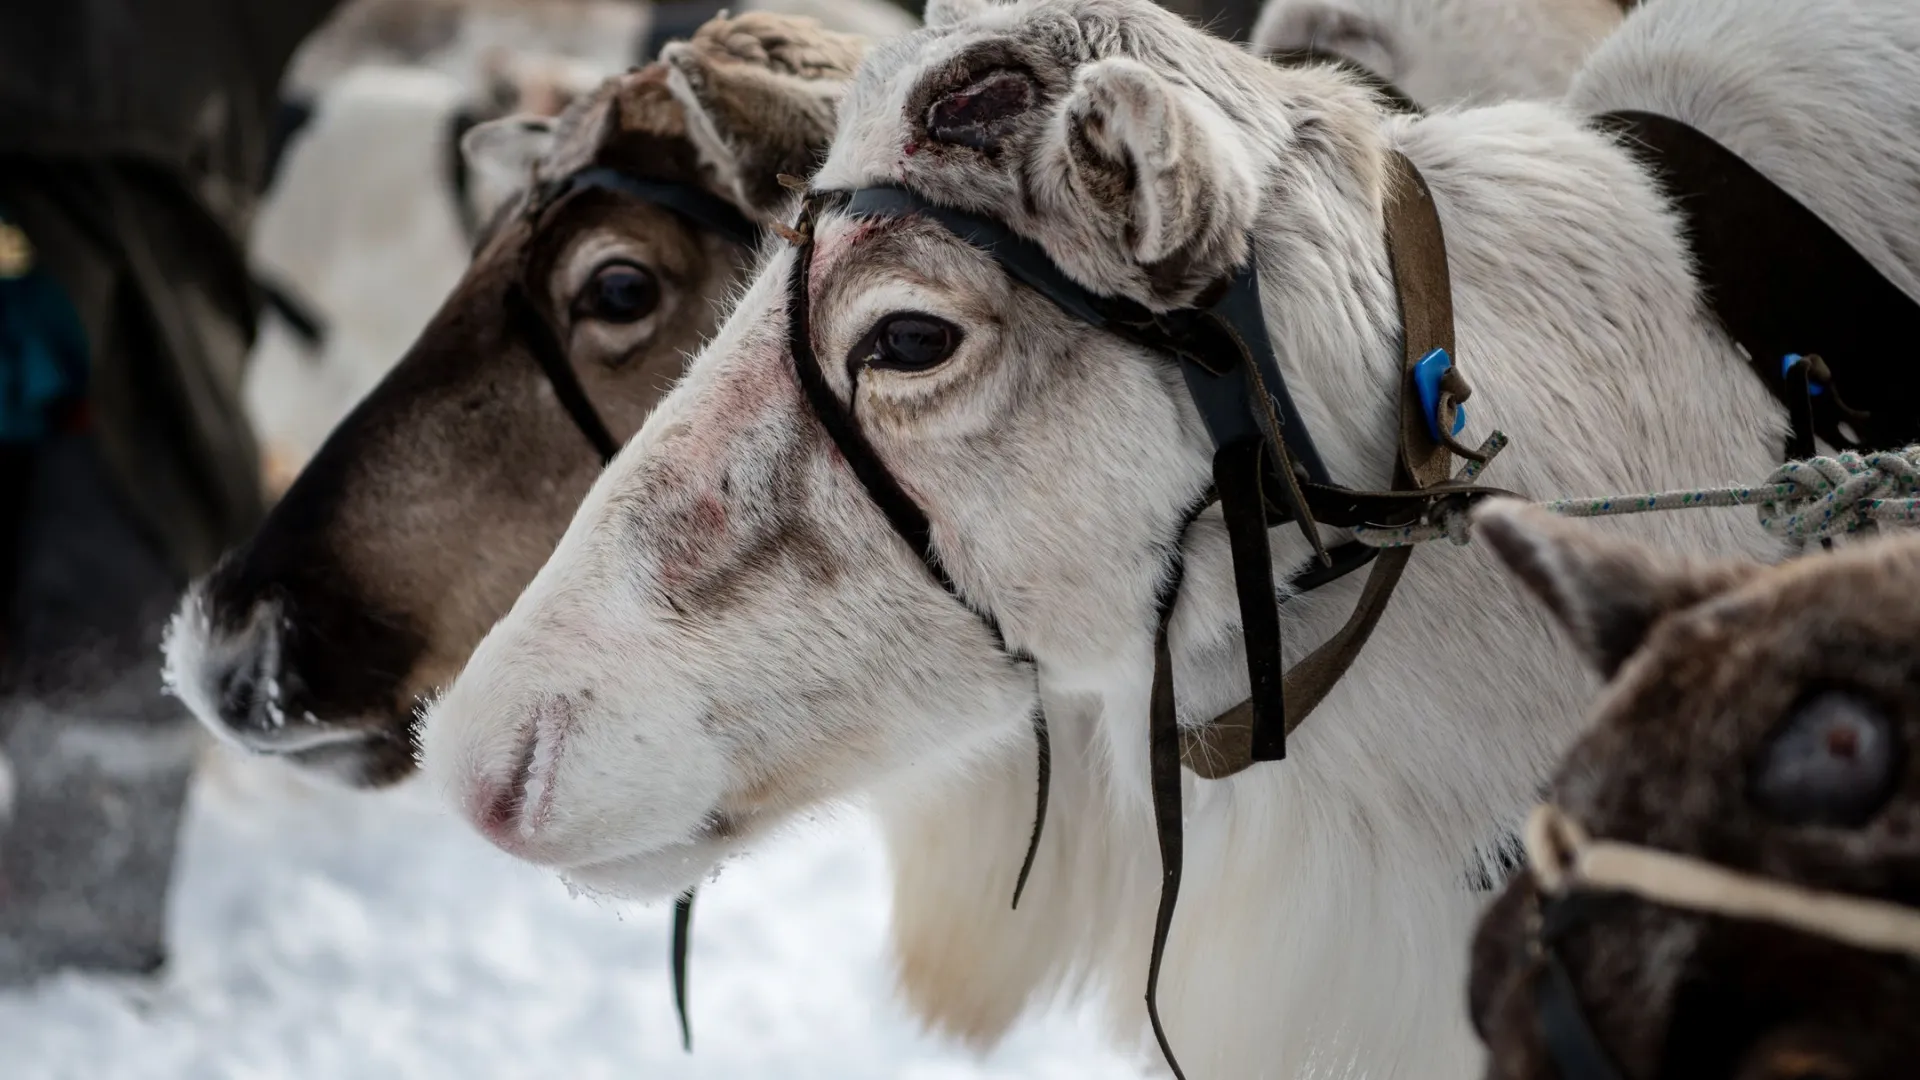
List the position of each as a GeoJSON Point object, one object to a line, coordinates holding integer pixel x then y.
{"type": "Point", "coordinates": [1164, 763]}
{"type": "Point", "coordinates": [1576, 1049]}
{"type": "Point", "coordinates": [909, 521]}
{"type": "Point", "coordinates": [1237, 471]}
{"type": "Point", "coordinates": [1228, 363]}
{"type": "Point", "coordinates": [1043, 749]}
{"type": "Point", "coordinates": [682, 939]}
{"type": "Point", "coordinates": [1200, 343]}
{"type": "Point", "coordinates": [696, 204]}
{"type": "Point", "coordinates": [539, 338]}
{"type": "Point", "coordinates": [1782, 281]}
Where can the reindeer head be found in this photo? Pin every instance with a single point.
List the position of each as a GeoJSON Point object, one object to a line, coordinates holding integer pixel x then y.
{"type": "Point", "coordinates": [432, 504]}
{"type": "Point", "coordinates": [1762, 719]}
{"type": "Point", "coordinates": [731, 630]}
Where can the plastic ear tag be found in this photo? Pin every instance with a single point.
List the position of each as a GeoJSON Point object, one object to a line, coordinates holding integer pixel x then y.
{"type": "Point", "coordinates": [1427, 373]}
{"type": "Point", "coordinates": [1793, 360]}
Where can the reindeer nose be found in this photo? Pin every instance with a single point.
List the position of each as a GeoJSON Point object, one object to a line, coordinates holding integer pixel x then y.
{"type": "Point", "coordinates": [236, 681]}
{"type": "Point", "coordinates": [229, 672]}
{"type": "Point", "coordinates": [247, 684]}
{"type": "Point", "coordinates": [511, 799]}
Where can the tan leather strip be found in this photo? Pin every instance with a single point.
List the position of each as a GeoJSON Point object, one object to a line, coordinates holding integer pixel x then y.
{"type": "Point", "coordinates": [1565, 859]}
{"type": "Point", "coordinates": [1417, 251]}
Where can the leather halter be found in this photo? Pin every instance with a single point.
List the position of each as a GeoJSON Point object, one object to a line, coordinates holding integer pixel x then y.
{"type": "Point", "coordinates": [698, 206]}
{"type": "Point", "coordinates": [706, 211]}
{"type": "Point", "coordinates": [1266, 471]}
{"type": "Point", "coordinates": [1576, 879]}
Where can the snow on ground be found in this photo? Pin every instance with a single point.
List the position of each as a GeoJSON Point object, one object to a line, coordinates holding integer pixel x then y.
{"type": "Point", "coordinates": [320, 934]}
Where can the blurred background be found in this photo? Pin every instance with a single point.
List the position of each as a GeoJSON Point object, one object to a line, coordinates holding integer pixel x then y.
{"type": "Point", "coordinates": [221, 221]}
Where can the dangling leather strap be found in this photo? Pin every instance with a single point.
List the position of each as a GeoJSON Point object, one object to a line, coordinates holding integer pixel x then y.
{"type": "Point", "coordinates": [1164, 758]}
{"type": "Point", "coordinates": [1416, 249]}
{"type": "Point", "coordinates": [682, 938]}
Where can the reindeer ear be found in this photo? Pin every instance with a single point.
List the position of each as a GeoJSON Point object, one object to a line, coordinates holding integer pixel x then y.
{"type": "Point", "coordinates": [1295, 26]}
{"type": "Point", "coordinates": [501, 153]}
{"type": "Point", "coordinates": [761, 93]}
{"type": "Point", "coordinates": [1608, 592]}
{"type": "Point", "coordinates": [982, 113]}
{"type": "Point", "coordinates": [1173, 158]}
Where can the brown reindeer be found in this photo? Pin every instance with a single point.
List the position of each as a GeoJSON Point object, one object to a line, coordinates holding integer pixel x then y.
{"type": "Point", "coordinates": [1760, 724]}
{"type": "Point", "coordinates": [432, 504]}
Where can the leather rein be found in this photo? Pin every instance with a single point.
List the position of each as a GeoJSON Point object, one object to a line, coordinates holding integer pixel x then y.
{"type": "Point", "coordinates": [1266, 472]}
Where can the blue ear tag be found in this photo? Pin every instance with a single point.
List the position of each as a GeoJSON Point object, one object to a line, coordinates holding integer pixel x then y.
{"type": "Point", "coordinates": [1426, 379]}
{"type": "Point", "coordinates": [1793, 360]}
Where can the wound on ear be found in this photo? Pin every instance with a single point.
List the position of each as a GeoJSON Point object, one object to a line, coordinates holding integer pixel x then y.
{"type": "Point", "coordinates": [983, 113]}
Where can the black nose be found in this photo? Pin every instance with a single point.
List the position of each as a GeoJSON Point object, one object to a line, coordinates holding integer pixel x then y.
{"type": "Point", "coordinates": [249, 697]}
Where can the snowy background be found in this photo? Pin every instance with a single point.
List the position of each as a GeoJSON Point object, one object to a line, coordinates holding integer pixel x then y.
{"type": "Point", "coordinates": [320, 934]}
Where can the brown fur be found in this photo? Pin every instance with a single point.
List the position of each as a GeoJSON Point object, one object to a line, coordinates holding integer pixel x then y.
{"type": "Point", "coordinates": [430, 507]}
{"type": "Point", "coordinates": [1710, 662]}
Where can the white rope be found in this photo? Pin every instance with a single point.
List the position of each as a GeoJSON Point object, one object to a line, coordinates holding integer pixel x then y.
{"type": "Point", "coordinates": [1820, 497]}
{"type": "Point", "coordinates": [1565, 859]}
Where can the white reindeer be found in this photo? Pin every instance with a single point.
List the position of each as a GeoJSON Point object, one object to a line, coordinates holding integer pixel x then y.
{"type": "Point", "coordinates": [1447, 52]}
{"type": "Point", "coordinates": [730, 631]}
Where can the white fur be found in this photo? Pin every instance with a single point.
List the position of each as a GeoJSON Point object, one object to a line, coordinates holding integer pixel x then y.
{"type": "Point", "coordinates": [1325, 911]}
{"type": "Point", "coordinates": [1447, 52]}
{"type": "Point", "coordinates": [502, 154]}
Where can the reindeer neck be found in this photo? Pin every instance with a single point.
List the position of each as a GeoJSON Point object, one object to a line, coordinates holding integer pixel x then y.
{"type": "Point", "coordinates": [1328, 293]}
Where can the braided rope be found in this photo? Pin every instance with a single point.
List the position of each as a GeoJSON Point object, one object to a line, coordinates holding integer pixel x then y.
{"type": "Point", "coordinates": [1841, 495]}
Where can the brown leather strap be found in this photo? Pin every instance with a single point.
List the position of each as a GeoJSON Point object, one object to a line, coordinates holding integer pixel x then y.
{"type": "Point", "coordinates": [1416, 248]}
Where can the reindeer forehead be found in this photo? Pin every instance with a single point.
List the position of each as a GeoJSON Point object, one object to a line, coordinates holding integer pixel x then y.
{"type": "Point", "coordinates": [636, 102]}
{"type": "Point", "coordinates": [888, 110]}
{"type": "Point", "coordinates": [838, 239]}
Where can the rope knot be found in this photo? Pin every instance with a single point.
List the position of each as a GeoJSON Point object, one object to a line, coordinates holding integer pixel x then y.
{"type": "Point", "coordinates": [1841, 495]}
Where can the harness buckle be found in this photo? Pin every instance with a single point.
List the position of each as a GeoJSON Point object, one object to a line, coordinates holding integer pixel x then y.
{"type": "Point", "coordinates": [1429, 372]}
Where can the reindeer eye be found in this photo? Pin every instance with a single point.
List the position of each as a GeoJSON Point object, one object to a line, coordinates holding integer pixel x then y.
{"type": "Point", "coordinates": [1835, 761]}
{"type": "Point", "coordinates": [619, 292]}
{"type": "Point", "coordinates": [909, 343]}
